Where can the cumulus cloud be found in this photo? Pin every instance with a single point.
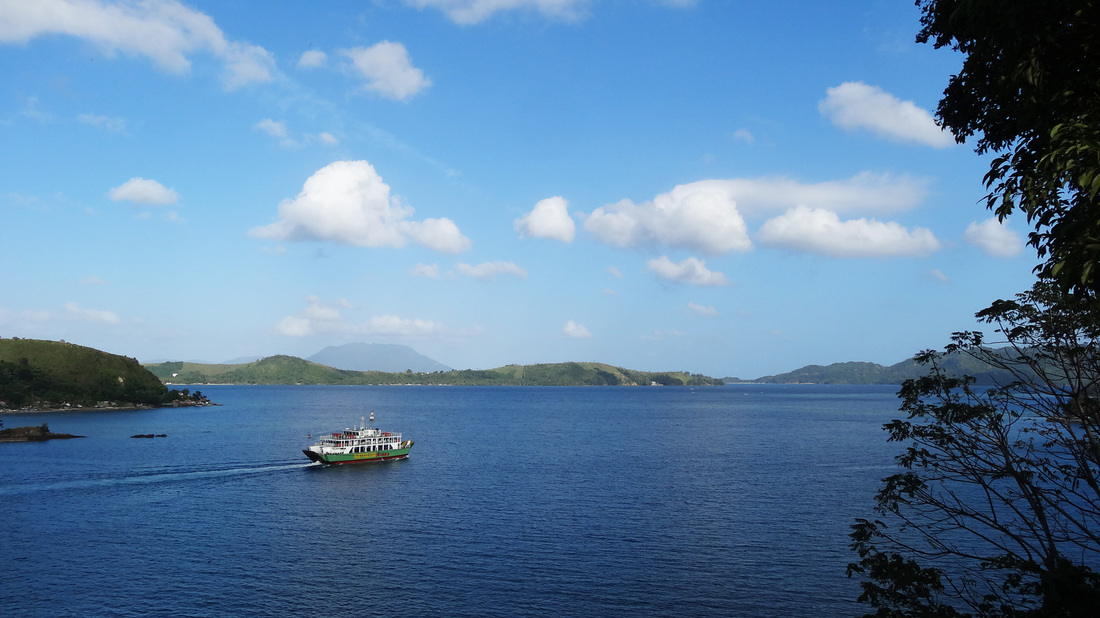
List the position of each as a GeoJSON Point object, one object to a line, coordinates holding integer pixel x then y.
{"type": "Point", "coordinates": [388, 70]}
{"type": "Point", "coordinates": [575, 331]}
{"type": "Point", "coordinates": [700, 216]}
{"type": "Point", "coordinates": [691, 270]}
{"type": "Point", "coordinates": [489, 270]}
{"type": "Point", "coordinates": [165, 31]}
{"type": "Point", "coordinates": [855, 105]}
{"type": "Point", "coordinates": [698, 309]}
{"type": "Point", "coordinates": [708, 215]}
{"type": "Point", "coordinates": [347, 202]}
{"type": "Point", "coordinates": [142, 191]}
{"type": "Point", "coordinates": [994, 238]}
{"type": "Point", "coordinates": [821, 231]}
{"type": "Point", "coordinates": [549, 219]}
{"type": "Point", "coordinates": [312, 59]}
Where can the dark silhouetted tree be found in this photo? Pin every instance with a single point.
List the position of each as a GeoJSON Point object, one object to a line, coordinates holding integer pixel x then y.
{"type": "Point", "coordinates": [1029, 91]}
{"type": "Point", "coordinates": [995, 510]}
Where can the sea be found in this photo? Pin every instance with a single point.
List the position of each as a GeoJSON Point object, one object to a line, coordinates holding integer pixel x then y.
{"type": "Point", "coordinates": [515, 501]}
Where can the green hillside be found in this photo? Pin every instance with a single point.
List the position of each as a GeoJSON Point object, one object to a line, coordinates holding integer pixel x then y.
{"type": "Point", "coordinates": [52, 373]}
{"type": "Point", "coordinates": [872, 373]}
{"type": "Point", "coordinates": [292, 370]}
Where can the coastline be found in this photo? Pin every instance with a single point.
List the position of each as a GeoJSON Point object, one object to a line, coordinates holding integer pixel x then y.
{"type": "Point", "coordinates": [110, 408]}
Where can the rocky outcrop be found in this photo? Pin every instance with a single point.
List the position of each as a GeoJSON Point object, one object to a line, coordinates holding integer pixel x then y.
{"type": "Point", "coordinates": [32, 434]}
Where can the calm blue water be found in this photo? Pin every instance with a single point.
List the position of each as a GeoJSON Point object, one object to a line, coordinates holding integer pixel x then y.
{"type": "Point", "coordinates": [722, 501]}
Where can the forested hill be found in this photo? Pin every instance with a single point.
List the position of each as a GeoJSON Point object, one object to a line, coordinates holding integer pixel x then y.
{"type": "Point", "coordinates": [293, 370]}
{"type": "Point", "coordinates": [47, 374]}
{"type": "Point", "coordinates": [873, 373]}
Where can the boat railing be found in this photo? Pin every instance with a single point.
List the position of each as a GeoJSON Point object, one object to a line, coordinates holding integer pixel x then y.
{"type": "Point", "coordinates": [391, 441]}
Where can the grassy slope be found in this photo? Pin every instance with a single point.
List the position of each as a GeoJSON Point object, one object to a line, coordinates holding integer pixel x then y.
{"type": "Point", "coordinates": [36, 371]}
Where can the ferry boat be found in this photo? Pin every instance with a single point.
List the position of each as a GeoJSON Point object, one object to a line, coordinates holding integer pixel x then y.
{"type": "Point", "coordinates": [361, 444]}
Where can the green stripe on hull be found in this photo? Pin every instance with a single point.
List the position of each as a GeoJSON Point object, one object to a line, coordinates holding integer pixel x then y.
{"type": "Point", "coordinates": [370, 457]}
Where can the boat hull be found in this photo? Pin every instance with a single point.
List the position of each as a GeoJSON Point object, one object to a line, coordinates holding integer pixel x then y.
{"type": "Point", "coordinates": [357, 458]}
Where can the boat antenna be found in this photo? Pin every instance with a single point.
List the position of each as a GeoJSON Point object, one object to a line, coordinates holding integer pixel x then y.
{"type": "Point", "coordinates": [361, 424]}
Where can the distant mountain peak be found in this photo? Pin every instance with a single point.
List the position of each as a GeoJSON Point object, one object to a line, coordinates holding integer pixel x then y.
{"type": "Point", "coordinates": [388, 357]}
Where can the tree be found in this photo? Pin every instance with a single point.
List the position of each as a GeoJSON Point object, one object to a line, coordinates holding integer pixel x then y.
{"type": "Point", "coordinates": [1029, 88]}
{"type": "Point", "coordinates": [996, 508]}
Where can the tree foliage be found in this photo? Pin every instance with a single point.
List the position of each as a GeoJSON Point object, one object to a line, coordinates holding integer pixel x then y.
{"type": "Point", "coordinates": [1029, 91]}
{"type": "Point", "coordinates": [995, 510]}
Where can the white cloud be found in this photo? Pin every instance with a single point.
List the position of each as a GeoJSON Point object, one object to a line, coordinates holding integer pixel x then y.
{"type": "Point", "coordinates": [92, 280]}
{"type": "Point", "coordinates": [708, 215]}
{"type": "Point", "coordinates": [142, 191]}
{"type": "Point", "coordinates": [700, 216]}
{"type": "Point", "coordinates": [698, 309]}
{"type": "Point", "coordinates": [691, 270]}
{"type": "Point", "coordinates": [549, 219]}
{"type": "Point", "coordinates": [98, 316]}
{"type": "Point", "coordinates": [430, 271]}
{"type": "Point", "coordinates": [328, 138]}
{"type": "Point", "coordinates": [938, 275]}
{"type": "Point", "coordinates": [114, 125]}
{"type": "Point", "coordinates": [820, 231]}
{"type": "Point", "coordinates": [575, 331]}
{"type": "Point", "coordinates": [274, 128]}
{"type": "Point", "coordinates": [165, 31]}
{"type": "Point", "coordinates": [312, 59]}
{"type": "Point", "coordinates": [387, 69]}
{"type": "Point", "coordinates": [614, 272]}
{"type": "Point", "coordinates": [475, 11]}
{"type": "Point", "coordinates": [855, 105]}
{"type": "Point", "coordinates": [489, 270]}
{"type": "Point", "coordinates": [994, 238]}
{"type": "Point", "coordinates": [347, 202]}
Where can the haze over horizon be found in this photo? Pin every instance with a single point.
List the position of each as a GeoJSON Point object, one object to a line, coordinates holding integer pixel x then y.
{"type": "Point", "coordinates": [732, 189]}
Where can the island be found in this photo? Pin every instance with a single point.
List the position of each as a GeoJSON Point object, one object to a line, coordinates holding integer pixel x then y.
{"type": "Point", "coordinates": [40, 433]}
{"type": "Point", "coordinates": [40, 376]}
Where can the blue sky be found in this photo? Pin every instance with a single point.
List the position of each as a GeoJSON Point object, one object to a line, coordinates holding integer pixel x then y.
{"type": "Point", "coordinates": [722, 187]}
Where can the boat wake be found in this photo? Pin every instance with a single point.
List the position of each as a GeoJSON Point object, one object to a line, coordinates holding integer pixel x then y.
{"type": "Point", "coordinates": [150, 477]}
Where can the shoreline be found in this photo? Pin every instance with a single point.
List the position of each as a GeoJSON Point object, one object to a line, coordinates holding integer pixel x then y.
{"type": "Point", "coordinates": [122, 408]}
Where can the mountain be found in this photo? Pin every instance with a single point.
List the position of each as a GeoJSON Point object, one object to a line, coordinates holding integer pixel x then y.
{"type": "Point", "coordinates": [376, 357]}
{"type": "Point", "coordinates": [293, 370]}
